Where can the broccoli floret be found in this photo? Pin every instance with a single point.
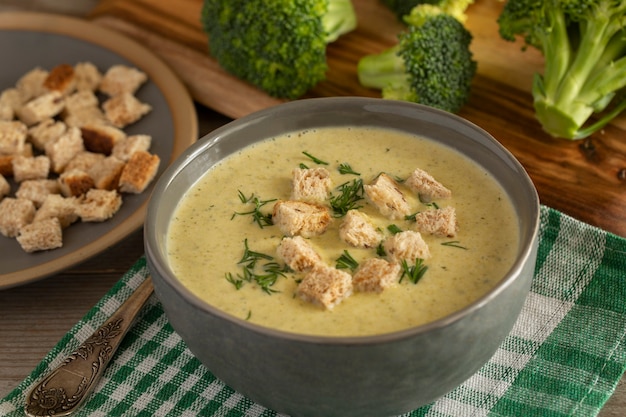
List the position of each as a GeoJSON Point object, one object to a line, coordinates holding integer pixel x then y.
{"type": "Point", "coordinates": [279, 45]}
{"type": "Point", "coordinates": [431, 64]}
{"type": "Point", "coordinates": [584, 47]}
{"type": "Point", "coordinates": [454, 7]}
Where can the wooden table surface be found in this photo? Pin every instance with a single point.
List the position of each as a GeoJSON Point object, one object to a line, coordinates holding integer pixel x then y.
{"type": "Point", "coordinates": [34, 317]}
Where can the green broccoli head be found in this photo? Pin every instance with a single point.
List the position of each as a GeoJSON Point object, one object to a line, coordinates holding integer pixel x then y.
{"type": "Point", "coordinates": [278, 46]}
{"type": "Point", "coordinates": [584, 46]}
{"type": "Point", "coordinates": [432, 63]}
{"type": "Point", "coordinates": [402, 8]}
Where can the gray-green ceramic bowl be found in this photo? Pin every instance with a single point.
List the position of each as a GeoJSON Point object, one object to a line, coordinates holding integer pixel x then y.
{"type": "Point", "coordinates": [380, 375]}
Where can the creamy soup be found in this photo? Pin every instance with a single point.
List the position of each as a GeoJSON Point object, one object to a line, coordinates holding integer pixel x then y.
{"type": "Point", "coordinates": [206, 239]}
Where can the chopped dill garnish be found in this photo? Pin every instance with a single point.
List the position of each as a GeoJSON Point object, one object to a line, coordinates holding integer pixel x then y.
{"type": "Point", "coordinates": [314, 159]}
{"type": "Point", "coordinates": [414, 272]}
{"type": "Point", "coordinates": [411, 217]}
{"type": "Point", "coordinates": [257, 216]}
{"type": "Point", "coordinates": [303, 166]}
{"type": "Point", "coordinates": [346, 261]}
{"type": "Point", "coordinates": [394, 229]}
{"type": "Point", "coordinates": [347, 169]}
{"type": "Point", "coordinates": [349, 194]}
{"type": "Point", "coordinates": [380, 250]}
{"type": "Point", "coordinates": [249, 315]}
{"type": "Point", "coordinates": [454, 244]}
{"type": "Point", "coordinates": [264, 275]}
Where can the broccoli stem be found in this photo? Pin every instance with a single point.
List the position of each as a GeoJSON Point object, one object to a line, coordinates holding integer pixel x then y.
{"type": "Point", "coordinates": [340, 18]}
{"type": "Point", "coordinates": [383, 70]}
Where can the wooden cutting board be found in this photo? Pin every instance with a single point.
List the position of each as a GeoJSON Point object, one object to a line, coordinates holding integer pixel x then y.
{"type": "Point", "coordinates": [586, 179]}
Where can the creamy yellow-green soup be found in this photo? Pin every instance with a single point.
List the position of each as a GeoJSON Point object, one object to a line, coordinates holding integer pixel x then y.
{"type": "Point", "coordinates": [206, 238]}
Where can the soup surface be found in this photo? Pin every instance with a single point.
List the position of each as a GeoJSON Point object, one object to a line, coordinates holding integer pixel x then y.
{"type": "Point", "coordinates": [206, 239]}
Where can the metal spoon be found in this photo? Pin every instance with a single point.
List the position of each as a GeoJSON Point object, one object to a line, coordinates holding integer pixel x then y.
{"type": "Point", "coordinates": [65, 389]}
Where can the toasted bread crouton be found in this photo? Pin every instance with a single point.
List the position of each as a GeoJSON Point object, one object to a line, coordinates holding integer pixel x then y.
{"type": "Point", "coordinates": [84, 116]}
{"type": "Point", "coordinates": [375, 274]}
{"type": "Point", "coordinates": [310, 184]}
{"type": "Point", "coordinates": [440, 222]}
{"type": "Point", "coordinates": [12, 137]}
{"type": "Point", "coordinates": [124, 109]}
{"type": "Point", "coordinates": [44, 132]}
{"type": "Point", "coordinates": [30, 85]}
{"type": "Point", "coordinates": [41, 235]}
{"type": "Point", "coordinates": [106, 173]}
{"type": "Point", "coordinates": [61, 78]}
{"type": "Point", "coordinates": [99, 205]}
{"type": "Point", "coordinates": [385, 195]}
{"type": "Point", "coordinates": [357, 230]}
{"type": "Point", "coordinates": [5, 187]}
{"type": "Point", "coordinates": [101, 138]}
{"type": "Point", "coordinates": [406, 246]}
{"type": "Point", "coordinates": [131, 144]}
{"type": "Point", "coordinates": [122, 79]}
{"type": "Point", "coordinates": [87, 76]}
{"type": "Point", "coordinates": [84, 160]}
{"type": "Point", "coordinates": [41, 108]}
{"type": "Point", "coordinates": [63, 208]}
{"type": "Point", "coordinates": [298, 253]}
{"type": "Point", "coordinates": [15, 213]}
{"type": "Point", "coordinates": [138, 172]}
{"type": "Point", "coordinates": [301, 218]}
{"type": "Point", "coordinates": [426, 187]}
{"type": "Point", "coordinates": [30, 167]}
{"type": "Point", "coordinates": [6, 165]}
{"type": "Point", "coordinates": [10, 100]}
{"type": "Point", "coordinates": [37, 190]}
{"type": "Point", "coordinates": [75, 182]}
{"type": "Point", "coordinates": [325, 286]}
{"type": "Point", "coordinates": [62, 150]}
{"type": "Point", "coordinates": [79, 100]}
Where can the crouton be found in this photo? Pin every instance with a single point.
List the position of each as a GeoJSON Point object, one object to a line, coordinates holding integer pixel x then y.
{"type": "Point", "coordinates": [6, 161]}
{"type": "Point", "coordinates": [138, 172]}
{"type": "Point", "coordinates": [41, 108]}
{"type": "Point", "coordinates": [61, 78]}
{"type": "Point", "coordinates": [37, 190]}
{"type": "Point", "coordinates": [426, 187]}
{"type": "Point", "coordinates": [440, 222]}
{"type": "Point", "coordinates": [310, 184]}
{"type": "Point", "coordinates": [30, 85]}
{"type": "Point", "coordinates": [79, 100]}
{"type": "Point", "coordinates": [75, 182]}
{"type": "Point", "coordinates": [107, 172]}
{"type": "Point", "coordinates": [123, 149]}
{"type": "Point", "coordinates": [42, 235]}
{"type": "Point", "coordinates": [15, 213]}
{"type": "Point", "coordinates": [10, 100]}
{"type": "Point", "coordinates": [84, 116]}
{"type": "Point", "coordinates": [30, 167]}
{"type": "Point", "coordinates": [62, 150]}
{"type": "Point", "coordinates": [12, 137]}
{"type": "Point", "coordinates": [84, 160]}
{"type": "Point", "coordinates": [122, 79]}
{"type": "Point", "coordinates": [99, 205]}
{"type": "Point", "coordinates": [55, 205]}
{"type": "Point", "coordinates": [325, 286]}
{"type": "Point", "coordinates": [385, 195]}
{"type": "Point", "coordinates": [44, 132]}
{"type": "Point", "coordinates": [5, 187]}
{"type": "Point", "coordinates": [375, 274]}
{"type": "Point", "coordinates": [124, 109]}
{"type": "Point", "coordinates": [101, 138]}
{"type": "Point", "coordinates": [406, 246]}
{"type": "Point", "coordinates": [301, 218]}
{"type": "Point", "coordinates": [298, 253]}
{"type": "Point", "coordinates": [357, 230]}
{"type": "Point", "coordinates": [87, 76]}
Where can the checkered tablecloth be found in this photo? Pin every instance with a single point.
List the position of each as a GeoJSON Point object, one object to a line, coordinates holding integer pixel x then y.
{"type": "Point", "coordinates": [564, 356]}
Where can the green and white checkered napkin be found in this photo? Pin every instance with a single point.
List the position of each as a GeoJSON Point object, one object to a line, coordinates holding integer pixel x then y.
{"type": "Point", "coordinates": [564, 356]}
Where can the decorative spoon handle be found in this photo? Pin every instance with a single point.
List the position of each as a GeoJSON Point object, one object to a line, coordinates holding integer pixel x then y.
{"type": "Point", "coordinates": [63, 391]}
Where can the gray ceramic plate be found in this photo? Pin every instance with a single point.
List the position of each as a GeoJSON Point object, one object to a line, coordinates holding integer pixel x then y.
{"type": "Point", "coordinates": [28, 40]}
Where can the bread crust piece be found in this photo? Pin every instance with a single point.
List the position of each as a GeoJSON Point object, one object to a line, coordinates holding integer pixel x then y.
{"type": "Point", "coordinates": [75, 182]}
{"type": "Point", "coordinates": [124, 109]}
{"type": "Point", "coordinates": [301, 218]}
{"type": "Point", "coordinates": [101, 138]}
{"type": "Point", "coordinates": [61, 78]}
{"type": "Point", "coordinates": [310, 184]}
{"type": "Point", "coordinates": [15, 213]}
{"type": "Point", "coordinates": [375, 274]}
{"type": "Point", "coordinates": [386, 196]}
{"type": "Point", "coordinates": [357, 230]}
{"type": "Point", "coordinates": [440, 222]}
{"type": "Point", "coordinates": [37, 190]}
{"type": "Point", "coordinates": [41, 235]}
{"type": "Point", "coordinates": [325, 286]}
{"type": "Point", "coordinates": [99, 205]}
{"type": "Point", "coordinates": [138, 172]}
{"type": "Point", "coordinates": [62, 208]}
{"type": "Point", "coordinates": [298, 253]}
{"type": "Point", "coordinates": [426, 187]}
{"type": "Point", "coordinates": [406, 246]}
